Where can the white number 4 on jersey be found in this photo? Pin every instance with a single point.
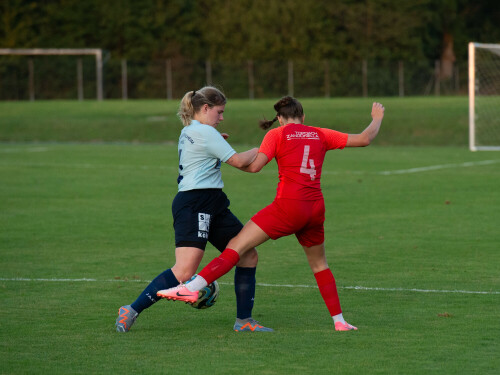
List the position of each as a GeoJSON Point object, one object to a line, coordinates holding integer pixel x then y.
{"type": "Point", "coordinates": [305, 159]}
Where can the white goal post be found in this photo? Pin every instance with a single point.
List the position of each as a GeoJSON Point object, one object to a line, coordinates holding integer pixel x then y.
{"type": "Point", "coordinates": [97, 52]}
{"type": "Point", "coordinates": [484, 97]}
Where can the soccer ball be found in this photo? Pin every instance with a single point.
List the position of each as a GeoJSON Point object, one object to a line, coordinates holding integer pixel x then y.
{"type": "Point", "coordinates": [206, 296]}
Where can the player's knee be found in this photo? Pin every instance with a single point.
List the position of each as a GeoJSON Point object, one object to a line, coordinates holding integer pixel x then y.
{"type": "Point", "coordinates": [183, 274]}
{"type": "Point", "coordinates": [249, 259]}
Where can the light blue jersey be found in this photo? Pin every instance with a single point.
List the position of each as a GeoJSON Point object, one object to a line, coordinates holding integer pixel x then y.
{"type": "Point", "coordinates": [201, 151]}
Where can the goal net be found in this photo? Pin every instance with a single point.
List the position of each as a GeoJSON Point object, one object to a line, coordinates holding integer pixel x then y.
{"type": "Point", "coordinates": [484, 96]}
{"type": "Point", "coordinates": [60, 52]}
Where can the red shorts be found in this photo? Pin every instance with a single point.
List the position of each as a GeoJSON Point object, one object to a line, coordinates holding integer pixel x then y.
{"type": "Point", "coordinates": [289, 216]}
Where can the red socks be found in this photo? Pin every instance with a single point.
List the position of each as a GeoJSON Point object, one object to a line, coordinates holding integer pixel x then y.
{"type": "Point", "coordinates": [220, 265]}
{"type": "Point", "coordinates": [228, 259]}
{"type": "Point", "coordinates": [328, 290]}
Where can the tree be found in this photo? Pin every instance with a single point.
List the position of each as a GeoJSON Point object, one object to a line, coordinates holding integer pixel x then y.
{"type": "Point", "coordinates": [451, 24]}
{"type": "Point", "coordinates": [18, 23]}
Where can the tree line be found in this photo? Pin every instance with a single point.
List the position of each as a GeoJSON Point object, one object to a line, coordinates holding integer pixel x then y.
{"type": "Point", "coordinates": [253, 29]}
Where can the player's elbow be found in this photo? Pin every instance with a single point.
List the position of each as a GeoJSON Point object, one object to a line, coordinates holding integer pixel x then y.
{"type": "Point", "coordinates": [359, 140]}
{"type": "Point", "coordinates": [364, 140]}
{"type": "Point", "coordinates": [237, 161]}
{"type": "Point", "coordinates": [365, 143]}
{"type": "Point", "coordinates": [254, 168]}
{"type": "Point", "coordinates": [239, 164]}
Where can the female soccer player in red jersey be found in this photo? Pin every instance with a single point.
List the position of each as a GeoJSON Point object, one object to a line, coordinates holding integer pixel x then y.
{"type": "Point", "coordinates": [299, 205]}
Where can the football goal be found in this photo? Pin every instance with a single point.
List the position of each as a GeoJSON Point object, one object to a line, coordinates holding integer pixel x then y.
{"type": "Point", "coordinates": [61, 52]}
{"type": "Point", "coordinates": [484, 96]}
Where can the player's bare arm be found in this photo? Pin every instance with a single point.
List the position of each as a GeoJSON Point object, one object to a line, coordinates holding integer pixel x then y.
{"type": "Point", "coordinates": [259, 163]}
{"type": "Point", "coordinates": [243, 159]}
{"type": "Point", "coordinates": [368, 135]}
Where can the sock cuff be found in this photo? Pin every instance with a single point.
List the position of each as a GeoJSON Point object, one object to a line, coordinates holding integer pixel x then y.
{"type": "Point", "coordinates": [247, 271]}
{"type": "Point", "coordinates": [324, 277]}
{"type": "Point", "coordinates": [230, 255]}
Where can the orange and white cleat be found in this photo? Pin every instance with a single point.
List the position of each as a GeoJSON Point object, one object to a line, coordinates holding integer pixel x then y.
{"type": "Point", "coordinates": [249, 324]}
{"type": "Point", "coordinates": [179, 293]}
{"type": "Point", "coordinates": [126, 317]}
{"type": "Point", "coordinates": [339, 326]}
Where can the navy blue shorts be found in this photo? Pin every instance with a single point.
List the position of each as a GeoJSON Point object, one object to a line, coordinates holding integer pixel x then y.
{"type": "Point", "coordinates": [203, 215]}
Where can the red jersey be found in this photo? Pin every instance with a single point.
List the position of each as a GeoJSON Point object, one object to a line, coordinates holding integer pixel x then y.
{"type": "Point", "coordinates": [300, 151]}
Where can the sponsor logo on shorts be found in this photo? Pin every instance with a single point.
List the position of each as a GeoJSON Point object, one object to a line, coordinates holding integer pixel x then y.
{"type": "Point", "coordinates": [203, 225]}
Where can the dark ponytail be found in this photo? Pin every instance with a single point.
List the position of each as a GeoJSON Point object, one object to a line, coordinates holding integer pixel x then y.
{"type": "Point", "coordinates": [266, 124]}
{"type": "Point", "coordinates": [287, 108]}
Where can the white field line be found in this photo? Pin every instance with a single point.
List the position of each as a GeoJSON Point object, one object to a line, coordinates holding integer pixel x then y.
{"type": "Point", "coordinates": [416, 290]}
{"type": "Point", "coordinates": [325, 172]}
{"type": "Point", "coordinates": [439, 166]}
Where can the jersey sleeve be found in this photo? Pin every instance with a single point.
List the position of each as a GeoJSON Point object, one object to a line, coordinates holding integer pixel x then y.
{"type": "Point", "coordinates": [269, 145]}
{"type": "Point", "coordinates": [217, 145]}
{"type": "Point", "coordinates": [334, 139]}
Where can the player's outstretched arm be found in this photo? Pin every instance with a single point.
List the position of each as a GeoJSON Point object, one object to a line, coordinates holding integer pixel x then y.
{"type": "Point", "coordinates": [368, 135]}
{"type": "Point", "coordinates": [243, 159]}
{"type": "Point", "coordinates": [259, 162]}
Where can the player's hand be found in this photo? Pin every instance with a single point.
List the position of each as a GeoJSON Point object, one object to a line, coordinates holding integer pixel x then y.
{"type": "Point", "coordinates": [378, 111]}
{"type": "Point", "coordinates": [224, 135]}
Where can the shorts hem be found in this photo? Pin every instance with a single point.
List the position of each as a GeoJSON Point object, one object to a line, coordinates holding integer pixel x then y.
{"type": "Point", "coordinates": [197, 244]}
{"type": "Point", "coordinates": [260, 226]}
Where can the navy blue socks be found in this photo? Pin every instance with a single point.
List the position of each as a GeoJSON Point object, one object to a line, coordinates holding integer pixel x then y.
{"type": "Point", "coordinates": [244, 287]}
{"type": "Point", "coordinates": [148, 297]}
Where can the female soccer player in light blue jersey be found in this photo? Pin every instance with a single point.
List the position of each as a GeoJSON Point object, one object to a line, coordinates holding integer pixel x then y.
{"type": "Point", "coordinates": [201, 209]}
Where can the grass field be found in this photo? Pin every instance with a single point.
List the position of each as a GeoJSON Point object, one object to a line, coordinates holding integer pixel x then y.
{"type": "Point", "coordinates": [421, 121]}
{"type": "Point", "coordinates": [411, 234]}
